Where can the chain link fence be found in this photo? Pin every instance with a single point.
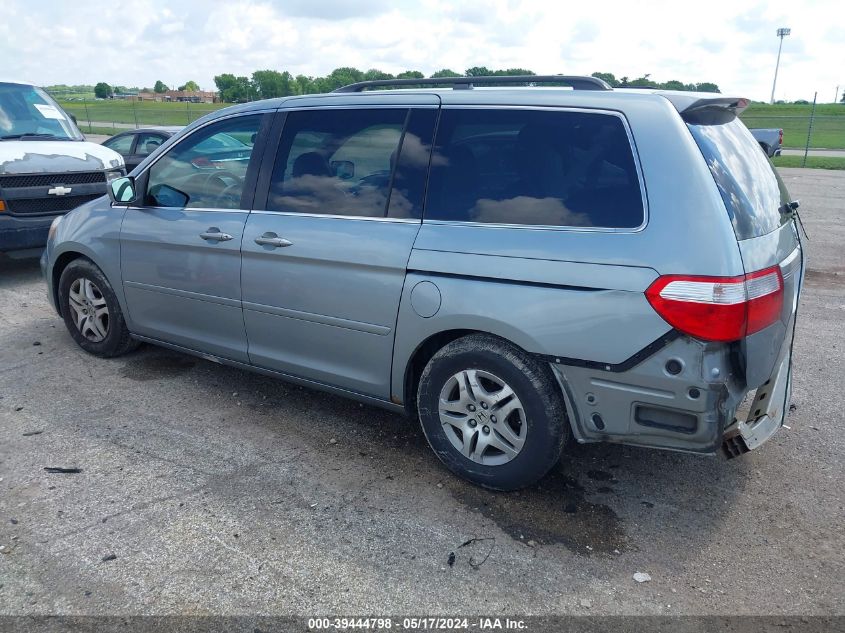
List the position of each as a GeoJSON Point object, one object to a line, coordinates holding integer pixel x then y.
{"type": "Point", "coordinates": [828, 132]}
{"type": "Point", "coordinates": [110, 116]}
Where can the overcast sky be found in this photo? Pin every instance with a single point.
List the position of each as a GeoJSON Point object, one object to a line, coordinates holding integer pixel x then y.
{"type": "Point", "coordinates": [134, 43]}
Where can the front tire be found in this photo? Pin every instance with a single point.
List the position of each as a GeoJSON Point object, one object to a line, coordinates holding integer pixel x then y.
{"type": "Point", "coordinates": [91, 311]}
{"type": "Point", "coordinates": [492, 413]}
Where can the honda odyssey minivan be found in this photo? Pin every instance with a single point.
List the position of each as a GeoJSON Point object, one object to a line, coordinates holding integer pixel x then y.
{"type": "Point", "coordinates": [517, 267]}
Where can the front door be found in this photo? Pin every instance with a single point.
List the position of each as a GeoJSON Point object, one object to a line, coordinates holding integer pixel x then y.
{"type": "Point", "coordinates": [180, 250]}
{"type": "Point", "coordinates": [326, 248]}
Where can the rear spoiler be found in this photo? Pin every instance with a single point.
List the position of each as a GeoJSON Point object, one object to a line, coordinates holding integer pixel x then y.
{"type": "Point", "coordinates": [689, 102]}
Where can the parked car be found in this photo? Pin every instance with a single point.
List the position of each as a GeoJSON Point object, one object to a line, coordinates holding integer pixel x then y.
{"type": "Point", "coordinates": [770, 139]}
{"type": "Point", "coordinates": [518, 268]}
{"type": "Point", "coordinates": [46, 166]}
{"type": "Point", "coordinates": [136, 145]}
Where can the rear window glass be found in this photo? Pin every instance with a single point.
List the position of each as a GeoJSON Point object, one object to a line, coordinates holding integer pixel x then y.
{"type": "Point", "coordinates": [534, 167]}
{"type": "Point", "coordinates": [751, 188]}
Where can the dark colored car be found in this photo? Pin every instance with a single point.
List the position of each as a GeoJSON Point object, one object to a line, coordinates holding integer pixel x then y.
{"type": "Point", "coordinates": [136, 145]}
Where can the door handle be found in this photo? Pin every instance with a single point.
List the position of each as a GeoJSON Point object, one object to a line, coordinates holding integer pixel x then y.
{"type": "Point", "coordinates": [214, 235]}
{"type": "Point", "coordinates": [271, 239]}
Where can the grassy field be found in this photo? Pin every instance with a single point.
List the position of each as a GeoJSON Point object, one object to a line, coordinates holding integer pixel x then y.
{"type": "Point", "coordinates": [828, 127]}
{"type": "Point", "coordinates": [813, 162]}
{"type": "Point", "coordinates": [141, 112]}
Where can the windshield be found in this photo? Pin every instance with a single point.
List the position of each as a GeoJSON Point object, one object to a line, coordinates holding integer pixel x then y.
{"type": "Point", "coordinates": [27, 112]}
{"type": "Point", "coordinates": [751, 188]}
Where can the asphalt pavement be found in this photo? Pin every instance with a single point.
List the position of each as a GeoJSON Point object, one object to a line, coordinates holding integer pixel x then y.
{"type": "Point", "coordinates": [203, 489]}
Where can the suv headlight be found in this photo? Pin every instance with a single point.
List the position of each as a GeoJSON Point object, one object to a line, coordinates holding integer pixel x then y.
{"type": "Point", "coordinates": [54, 226]}
{"type": "Point", "coordinates": [114, 174]}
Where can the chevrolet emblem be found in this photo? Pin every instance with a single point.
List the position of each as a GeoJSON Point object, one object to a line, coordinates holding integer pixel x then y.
{"type": "Point", "coordinates": [59, 191]}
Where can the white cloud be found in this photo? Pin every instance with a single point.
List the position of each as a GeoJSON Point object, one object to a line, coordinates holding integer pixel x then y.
{"type": "Point", "coordinates": [135, 43]}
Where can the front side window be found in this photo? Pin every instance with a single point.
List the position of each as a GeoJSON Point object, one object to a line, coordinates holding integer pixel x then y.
{"type": "Point", "coordinates": [206, 170]}
{"type": "Point", "coordinates": [534, 167]}
{"type": "Point", "coordinates": [337, 162]}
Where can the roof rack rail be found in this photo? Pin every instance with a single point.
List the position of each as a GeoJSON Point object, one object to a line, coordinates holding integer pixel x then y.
{"type": "Point", "coordinates": [575, 82]}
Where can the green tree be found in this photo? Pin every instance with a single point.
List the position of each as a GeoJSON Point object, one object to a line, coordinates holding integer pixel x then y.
{"type": "Point", "coordinates": [234, 89]}
{"type": "Point", "coordinates": [304, 85]}
{"type": "Point", "coordinates": [513, 72]}
{"type": "Point", "coordinates": [707, 87]}
{"type": "Point", "coordinates": [102, 90]}
{"type": "Point", "coordinates": [160, 87]}
{"type": "Point", "coordinates": [608, 78]}
{"type": "Point", "coordinates": [478, 71]}
{"type": "Point", "coordinates": [374, 74]}
{"type": "Point", "coordinates": [338, 77]}
{"type": "Point", "coordinates": [643, 81]}
{"type": "Point", "coordinates": [411, 74]}
{"type": "Point", "coordinates": [271, 83]}
{"type": "Point", "coordinates": [190, 86]}
{"type": "Point", "coordinates": [445, 72]}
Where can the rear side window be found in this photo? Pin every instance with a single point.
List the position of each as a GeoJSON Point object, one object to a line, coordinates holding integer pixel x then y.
{"type": "Point", "coordinates": [120, 144]}
{"type": "Point", "coordinates": [751, 188]}
{"type": "Point", "coordinates": [148, 143]}
{"type": "Point", "coordinates": [337, 162]}
{"type": "Point", "coordinates": [534, 167]}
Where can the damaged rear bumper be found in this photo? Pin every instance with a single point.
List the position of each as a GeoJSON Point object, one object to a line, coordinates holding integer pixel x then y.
{"type": "Point", "coordinates": [766, 415]}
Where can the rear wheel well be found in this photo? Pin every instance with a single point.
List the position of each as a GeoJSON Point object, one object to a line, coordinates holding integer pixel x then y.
{"type": "Point", "coordinates": [765, 147]}
{"type": "Point", "coordinates": [419, 360]}
{"type": "Point", "coordinates": [62, 262]}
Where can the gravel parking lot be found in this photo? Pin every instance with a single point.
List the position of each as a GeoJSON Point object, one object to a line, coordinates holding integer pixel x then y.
{"type": "Point", "coordinates": [208, 490]}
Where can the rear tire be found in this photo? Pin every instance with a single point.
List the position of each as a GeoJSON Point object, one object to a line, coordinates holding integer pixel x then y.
{"type": "Point", "coordinates": [492, 413]}
{"type": "Point", "coordinates": [92, 312]}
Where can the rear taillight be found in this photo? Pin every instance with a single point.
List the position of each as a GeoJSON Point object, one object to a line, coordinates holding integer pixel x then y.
{"type": "Point", "coordinates": [780, 137]}
{"type": "Point", "coordinates": [719, 308]}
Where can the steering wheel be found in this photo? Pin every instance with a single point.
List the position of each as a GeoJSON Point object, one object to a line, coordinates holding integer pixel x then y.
{"type": "Point", "coordinates": [218, 185]}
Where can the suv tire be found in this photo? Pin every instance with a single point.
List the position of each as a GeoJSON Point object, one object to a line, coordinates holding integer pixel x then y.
{"type": "Point", "coordinates": [91, 311]}
{"type": "Point", "coordinates": [492, 413]}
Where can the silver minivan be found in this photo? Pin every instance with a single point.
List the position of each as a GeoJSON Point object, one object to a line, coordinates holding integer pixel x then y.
{"type": "Point", "coordinates": [518, 267]}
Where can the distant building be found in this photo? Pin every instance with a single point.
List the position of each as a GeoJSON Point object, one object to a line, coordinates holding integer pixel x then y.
{"type": "Point", "coordinates": [191, 96]}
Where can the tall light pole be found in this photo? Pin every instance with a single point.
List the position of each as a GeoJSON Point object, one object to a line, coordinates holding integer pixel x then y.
{"type": "Point", "coordinates": [782, 32]}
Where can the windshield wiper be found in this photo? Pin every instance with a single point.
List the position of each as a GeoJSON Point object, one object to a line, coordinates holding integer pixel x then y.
{"type": "Point", "coordinates": [10, 137]}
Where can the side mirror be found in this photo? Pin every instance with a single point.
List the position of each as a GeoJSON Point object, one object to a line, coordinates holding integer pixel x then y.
{"type": "Point", "coordinates": [343, 169]}
{"type": "Point", "coordinates": [122, 190]}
